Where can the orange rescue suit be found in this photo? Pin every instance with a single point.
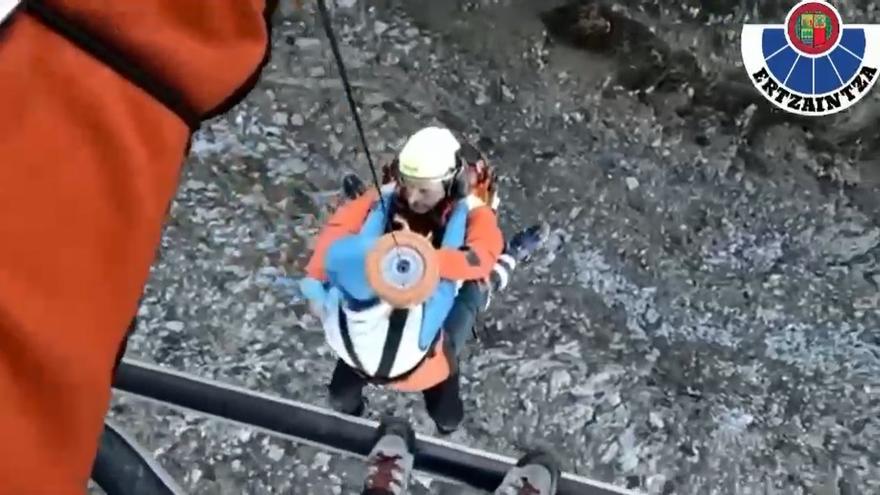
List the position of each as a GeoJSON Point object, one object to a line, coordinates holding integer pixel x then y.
{"type": "Point", "coordinates": [484, 240]}
{"type": "Point", "coordinates": [89, 163]}
{"type": "Point", "coordinates": [482, 247]}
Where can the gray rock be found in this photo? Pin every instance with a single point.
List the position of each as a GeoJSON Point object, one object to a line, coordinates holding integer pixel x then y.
{"type": "Point", "coordinates": [560, 381]}
{"type": "Point", "coordinates": [379, 27]}
{"type": "Point", "coordinates": [689, 335]}
{"type": "Point", "coordinates": [280, 118]}
{"type": "Point", "coordinates": [632, 183]}
{"type": "Point", "coordinates": [308, 44]}
{"type": "Point", "coordinates": [175, 326]}
{"type": "Point", "coordinates": [847, 241]}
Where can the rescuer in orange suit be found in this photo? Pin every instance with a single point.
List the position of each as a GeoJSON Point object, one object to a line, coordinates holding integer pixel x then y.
{"type": "Point", "coordinates": [99, 99]}
{"type": "Point", "coordinates": [429, 176]}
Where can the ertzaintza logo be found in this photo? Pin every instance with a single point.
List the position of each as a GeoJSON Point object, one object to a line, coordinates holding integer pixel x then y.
{"type": "Point", "coordinates": [813, 64]}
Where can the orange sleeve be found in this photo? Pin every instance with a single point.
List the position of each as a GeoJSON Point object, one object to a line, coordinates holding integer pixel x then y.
{"type": "Point", "coordinates": [482, 248]}
{"type": "Point", "coordinates": [346, 220]}
{"type": "Point", "coordinates": [90, 163]}
{"type": "Point", "coordinates": [186, 43]}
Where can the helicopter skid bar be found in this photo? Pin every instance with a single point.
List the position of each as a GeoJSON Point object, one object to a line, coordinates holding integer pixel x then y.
{"type": "Point", "coordinates": [324, 428]}
{"type": "Point", "coordinates": [124, 467]}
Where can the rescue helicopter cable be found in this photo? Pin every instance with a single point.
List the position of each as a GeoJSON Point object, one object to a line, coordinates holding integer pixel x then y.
{"type": "Point", "coordinates": [343, 74]}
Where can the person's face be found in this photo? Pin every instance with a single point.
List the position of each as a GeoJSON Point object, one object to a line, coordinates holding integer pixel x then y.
{"type": "Point", "coordinates": [422, 196]}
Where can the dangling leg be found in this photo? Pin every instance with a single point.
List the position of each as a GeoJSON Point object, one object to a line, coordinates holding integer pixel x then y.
{"type": "Point", "coordinates": [444, 400]}
{"type": "Point", "coordinates": [472, 298]}
{"type": "Point", "coordinates": [444, 404]}
{"type": "Point", "coordinates": [347, 390]}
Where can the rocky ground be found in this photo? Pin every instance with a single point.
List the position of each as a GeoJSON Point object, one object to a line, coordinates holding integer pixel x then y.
{"type": "Point", "coordinates": [704, 320]}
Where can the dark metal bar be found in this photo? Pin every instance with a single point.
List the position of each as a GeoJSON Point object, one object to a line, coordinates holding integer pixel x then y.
{"type": "Point", "coordinates": [316, 425]}
{"type": "Point", "coordinates": [123, 467]}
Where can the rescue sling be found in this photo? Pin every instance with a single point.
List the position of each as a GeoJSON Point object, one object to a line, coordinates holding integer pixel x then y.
{"type": "Point", "coordinates": [403, 348]}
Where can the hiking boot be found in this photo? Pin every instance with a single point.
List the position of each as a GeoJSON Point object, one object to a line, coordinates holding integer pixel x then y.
{"type": "Point", "coordinates": [390, 463]}
{"type": "Point", "coordinates": [518, 250]}
{"type": "Point", "coordinates": [525, 242]}
{"type": "Point", "coordinates": [536, 473]}
{"type": "Point", "coordinates": [353, 186]}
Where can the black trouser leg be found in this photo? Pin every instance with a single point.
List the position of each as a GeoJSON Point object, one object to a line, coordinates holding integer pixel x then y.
{"type": "Point", "coordinates": [444, 405]}
{"type": "Point", "coordinates": [443, 401]}
{"type": "Point", "coordinates": [347, 390]}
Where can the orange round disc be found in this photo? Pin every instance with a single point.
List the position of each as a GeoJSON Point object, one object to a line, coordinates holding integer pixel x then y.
{"type": "Point", "coordinates": [403, 268]}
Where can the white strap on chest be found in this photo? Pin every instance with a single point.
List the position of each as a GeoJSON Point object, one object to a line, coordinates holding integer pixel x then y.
{"type": "Point", "coordinates": [368, 331]}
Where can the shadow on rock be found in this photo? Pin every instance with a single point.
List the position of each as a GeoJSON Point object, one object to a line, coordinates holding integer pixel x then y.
{"type": "Point", "coordinates": [649, 66]}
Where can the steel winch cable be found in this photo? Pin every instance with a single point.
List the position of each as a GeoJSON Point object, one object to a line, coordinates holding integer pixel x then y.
{"type": "Point", "coordinates": [346, 85]}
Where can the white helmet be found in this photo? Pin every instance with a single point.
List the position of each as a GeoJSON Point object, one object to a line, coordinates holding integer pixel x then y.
{"type": "Point", "coordinates": [429, 154]}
